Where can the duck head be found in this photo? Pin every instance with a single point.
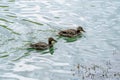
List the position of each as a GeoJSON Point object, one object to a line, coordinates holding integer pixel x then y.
{"type": "Point", "coordinates": [51, 41]}
{"type": "Point", "coordinates": [79, 29]}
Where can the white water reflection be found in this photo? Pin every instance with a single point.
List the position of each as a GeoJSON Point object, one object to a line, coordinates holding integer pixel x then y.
{"type": "Point", "coordinates": [95, 56]}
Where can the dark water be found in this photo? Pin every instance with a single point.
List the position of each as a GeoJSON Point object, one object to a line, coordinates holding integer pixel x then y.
{"type": "Point", "coordinates": [94, 56]}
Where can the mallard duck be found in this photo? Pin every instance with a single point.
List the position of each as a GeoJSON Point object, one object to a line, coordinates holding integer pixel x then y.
{"type": "Point", "coordinates": [71, 32]}
{"type": "Point", "coordinates": [43, 45]}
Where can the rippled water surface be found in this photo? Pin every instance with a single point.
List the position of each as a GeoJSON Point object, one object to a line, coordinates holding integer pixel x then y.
{"type": "Point", "coordinates": [94, 56]}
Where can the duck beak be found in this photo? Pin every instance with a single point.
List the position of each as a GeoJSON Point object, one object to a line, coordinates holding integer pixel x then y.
{"type": "Point", "coordinates": [83, 30]}
{"type": "Point", "coordinates": [55, 40]}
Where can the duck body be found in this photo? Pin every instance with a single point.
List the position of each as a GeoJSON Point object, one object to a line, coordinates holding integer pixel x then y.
{"type": "Point", "coordinates": [40, 46]}
{"type": "Point", "coordinates": [71, 32]}
{"type": "Point", "coordinates": [43, 45]}
{"type": "Point", "coordinates": [68, 33]}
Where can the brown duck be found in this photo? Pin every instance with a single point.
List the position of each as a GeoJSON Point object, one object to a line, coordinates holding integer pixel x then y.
{"type": "Point", "coordinates": [71, 32]}
{"type": "Point", "coordinates": [43, 45]}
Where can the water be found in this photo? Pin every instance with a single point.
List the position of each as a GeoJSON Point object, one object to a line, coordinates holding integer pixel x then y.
{"type": "Point", "coordinates": [94, 56]}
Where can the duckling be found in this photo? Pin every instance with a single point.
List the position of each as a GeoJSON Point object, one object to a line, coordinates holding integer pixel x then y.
{"type": "Point", "coordinates": [43, 45]}
{"type": "Point", "coordinates": [71, 32]}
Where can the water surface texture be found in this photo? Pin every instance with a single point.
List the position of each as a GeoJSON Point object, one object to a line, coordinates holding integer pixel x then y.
{"type": "Point", "coordinates": [94, 56]}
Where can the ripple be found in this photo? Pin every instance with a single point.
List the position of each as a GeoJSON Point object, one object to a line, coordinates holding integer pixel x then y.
{"type": "Point", "coordinates": [94, 56]}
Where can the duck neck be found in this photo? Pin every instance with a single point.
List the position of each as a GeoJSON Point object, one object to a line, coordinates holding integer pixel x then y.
{"type": "Point", "coordinates": [78, 31]}
{"type": "Point", "coordinates": [50, 44]}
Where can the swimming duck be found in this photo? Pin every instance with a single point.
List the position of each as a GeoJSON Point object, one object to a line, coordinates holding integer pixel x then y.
{"type": "Point", "coordinates": [71, 32]}
{"type": "Point", "coordinates": [43, 45]}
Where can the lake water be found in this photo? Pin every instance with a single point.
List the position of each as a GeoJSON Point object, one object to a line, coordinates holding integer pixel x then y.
{"type": "Point", "coordinates": [94, 56]}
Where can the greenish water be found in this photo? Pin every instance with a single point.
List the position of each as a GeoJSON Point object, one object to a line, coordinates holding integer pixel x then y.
{"type": "Point", "coordinates": [94, 56]}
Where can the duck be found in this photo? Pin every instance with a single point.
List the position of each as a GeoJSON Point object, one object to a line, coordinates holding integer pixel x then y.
{"type": "Point", "coordinates": [43, 45]}
{"type": "Point", "coordinates": [71, 32]}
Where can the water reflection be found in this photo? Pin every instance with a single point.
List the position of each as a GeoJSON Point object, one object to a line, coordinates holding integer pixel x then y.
{"type": "Point", "coordinates": [72, 39]}
{"type": "Point", "coordinates": [50, 50]}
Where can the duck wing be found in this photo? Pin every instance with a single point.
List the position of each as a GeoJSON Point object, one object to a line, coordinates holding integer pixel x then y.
{"type": "Point", "coordinates": [68, 33]}
{"type": "Point", "coordinates": [40, 46]}
{"type": "Point", "coordinates": [71, 31]}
